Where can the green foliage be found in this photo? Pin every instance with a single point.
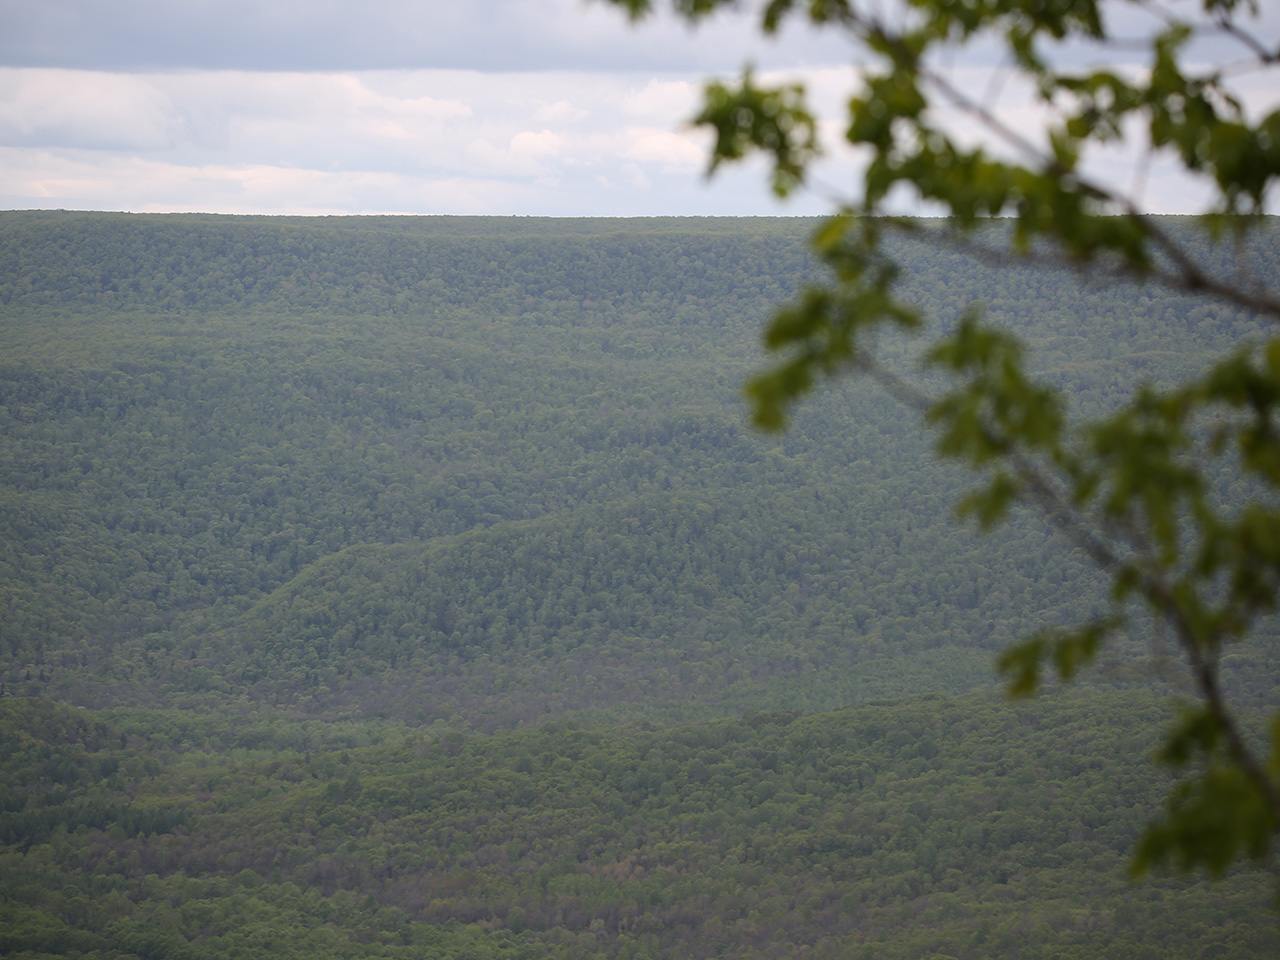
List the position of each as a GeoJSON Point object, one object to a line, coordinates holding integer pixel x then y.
{"type": "Point", "coordinates": [956, 826]}
{"type": "Point", "coordinates": [770, 119]}
{"type": "Point", "coordinates": [1173, 492]}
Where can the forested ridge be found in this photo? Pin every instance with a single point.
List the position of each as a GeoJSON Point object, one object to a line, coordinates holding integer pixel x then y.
{"type": "Point", "coordinates": [374, 500]}
{"type": "Point", "coordinates": [963, 828]}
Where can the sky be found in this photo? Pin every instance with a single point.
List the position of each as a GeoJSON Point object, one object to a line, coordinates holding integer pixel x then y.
{"type": "Point", "coordinates": [509, 107]}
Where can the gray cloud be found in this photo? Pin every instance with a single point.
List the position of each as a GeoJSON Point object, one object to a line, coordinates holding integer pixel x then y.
{"type": "Point", "coordinates": [325, 35]}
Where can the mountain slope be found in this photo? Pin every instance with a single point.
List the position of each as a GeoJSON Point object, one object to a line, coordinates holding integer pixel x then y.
{"type": "Point", "coordinates": [340, 463]}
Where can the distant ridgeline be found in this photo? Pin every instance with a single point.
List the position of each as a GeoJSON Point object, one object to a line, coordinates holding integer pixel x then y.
{"type": "Point", "coordinates": [413, 587]}
{"type": "Point", "coordinates": [491, 470]}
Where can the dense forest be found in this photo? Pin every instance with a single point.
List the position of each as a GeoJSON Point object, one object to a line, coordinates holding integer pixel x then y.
{"type": "Point", "coordinates": [926, 827]}
{"type": "Point", "coordinates": [383, 586]}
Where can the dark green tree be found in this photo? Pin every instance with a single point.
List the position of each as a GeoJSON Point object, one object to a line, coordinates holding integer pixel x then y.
{"type": "Point", "coordinates": [1135, 489]}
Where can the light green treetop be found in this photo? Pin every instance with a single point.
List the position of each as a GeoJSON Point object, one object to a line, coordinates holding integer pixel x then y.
{"type": "Point", "coordinates": [1133, 490]}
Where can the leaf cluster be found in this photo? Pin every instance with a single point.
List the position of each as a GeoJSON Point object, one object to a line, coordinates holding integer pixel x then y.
{"type": "Point", "coordinates": [1139, 490]}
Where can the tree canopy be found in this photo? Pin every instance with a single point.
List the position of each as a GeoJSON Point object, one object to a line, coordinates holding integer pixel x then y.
{"type": "Point", "coordinates": [1173, 492]}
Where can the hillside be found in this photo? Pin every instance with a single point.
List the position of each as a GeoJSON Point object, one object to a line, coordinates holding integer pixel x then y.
{"type": "Point", "coordinates": [414, 587]}
{"type": "Point", "coordinates": [958, 828]}
{"type": "Point", "coordinates": [341, 464]}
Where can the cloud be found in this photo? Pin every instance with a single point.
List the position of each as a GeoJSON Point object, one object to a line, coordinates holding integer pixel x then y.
{"type": "Point", "coordinates": [663, 99]}
{"type": "Point", "coordinates": [673, 151]}
{"type": "Point", "coordinates": [90, 111]}
{"type": "Point", "coordinates": [341, 35]}
{"type": "Point", "coordinates": [415, 141]}
{"type": "Point", "coordinates": [35, 179]}
{"type": "Point", "coordinates": [635, 176]}
{"type": "Point", "coordinates": [544, 106]}
{"type": "Point", "coordinates": [562, 111]}
{"type": "Point", "coordinates": [525, 155]}
{"type": "Point", "coordinates": [486, 35]}
{"type": "Point", "coordinates": [47, 180]}
{"type": "Point", "coordinates": [541, 144]}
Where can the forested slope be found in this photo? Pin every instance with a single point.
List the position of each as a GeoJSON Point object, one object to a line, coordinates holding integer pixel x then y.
{"type": "Point", "coordinates": [340, 463]}
{"type": "Point", "coordinates": [413, 587]}
{"type": "Point", "coordinates": [927, 828]}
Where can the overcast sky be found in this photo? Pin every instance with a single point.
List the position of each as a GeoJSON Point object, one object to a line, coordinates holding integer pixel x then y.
{"type": "Point", "coordinates": [540, 107]}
